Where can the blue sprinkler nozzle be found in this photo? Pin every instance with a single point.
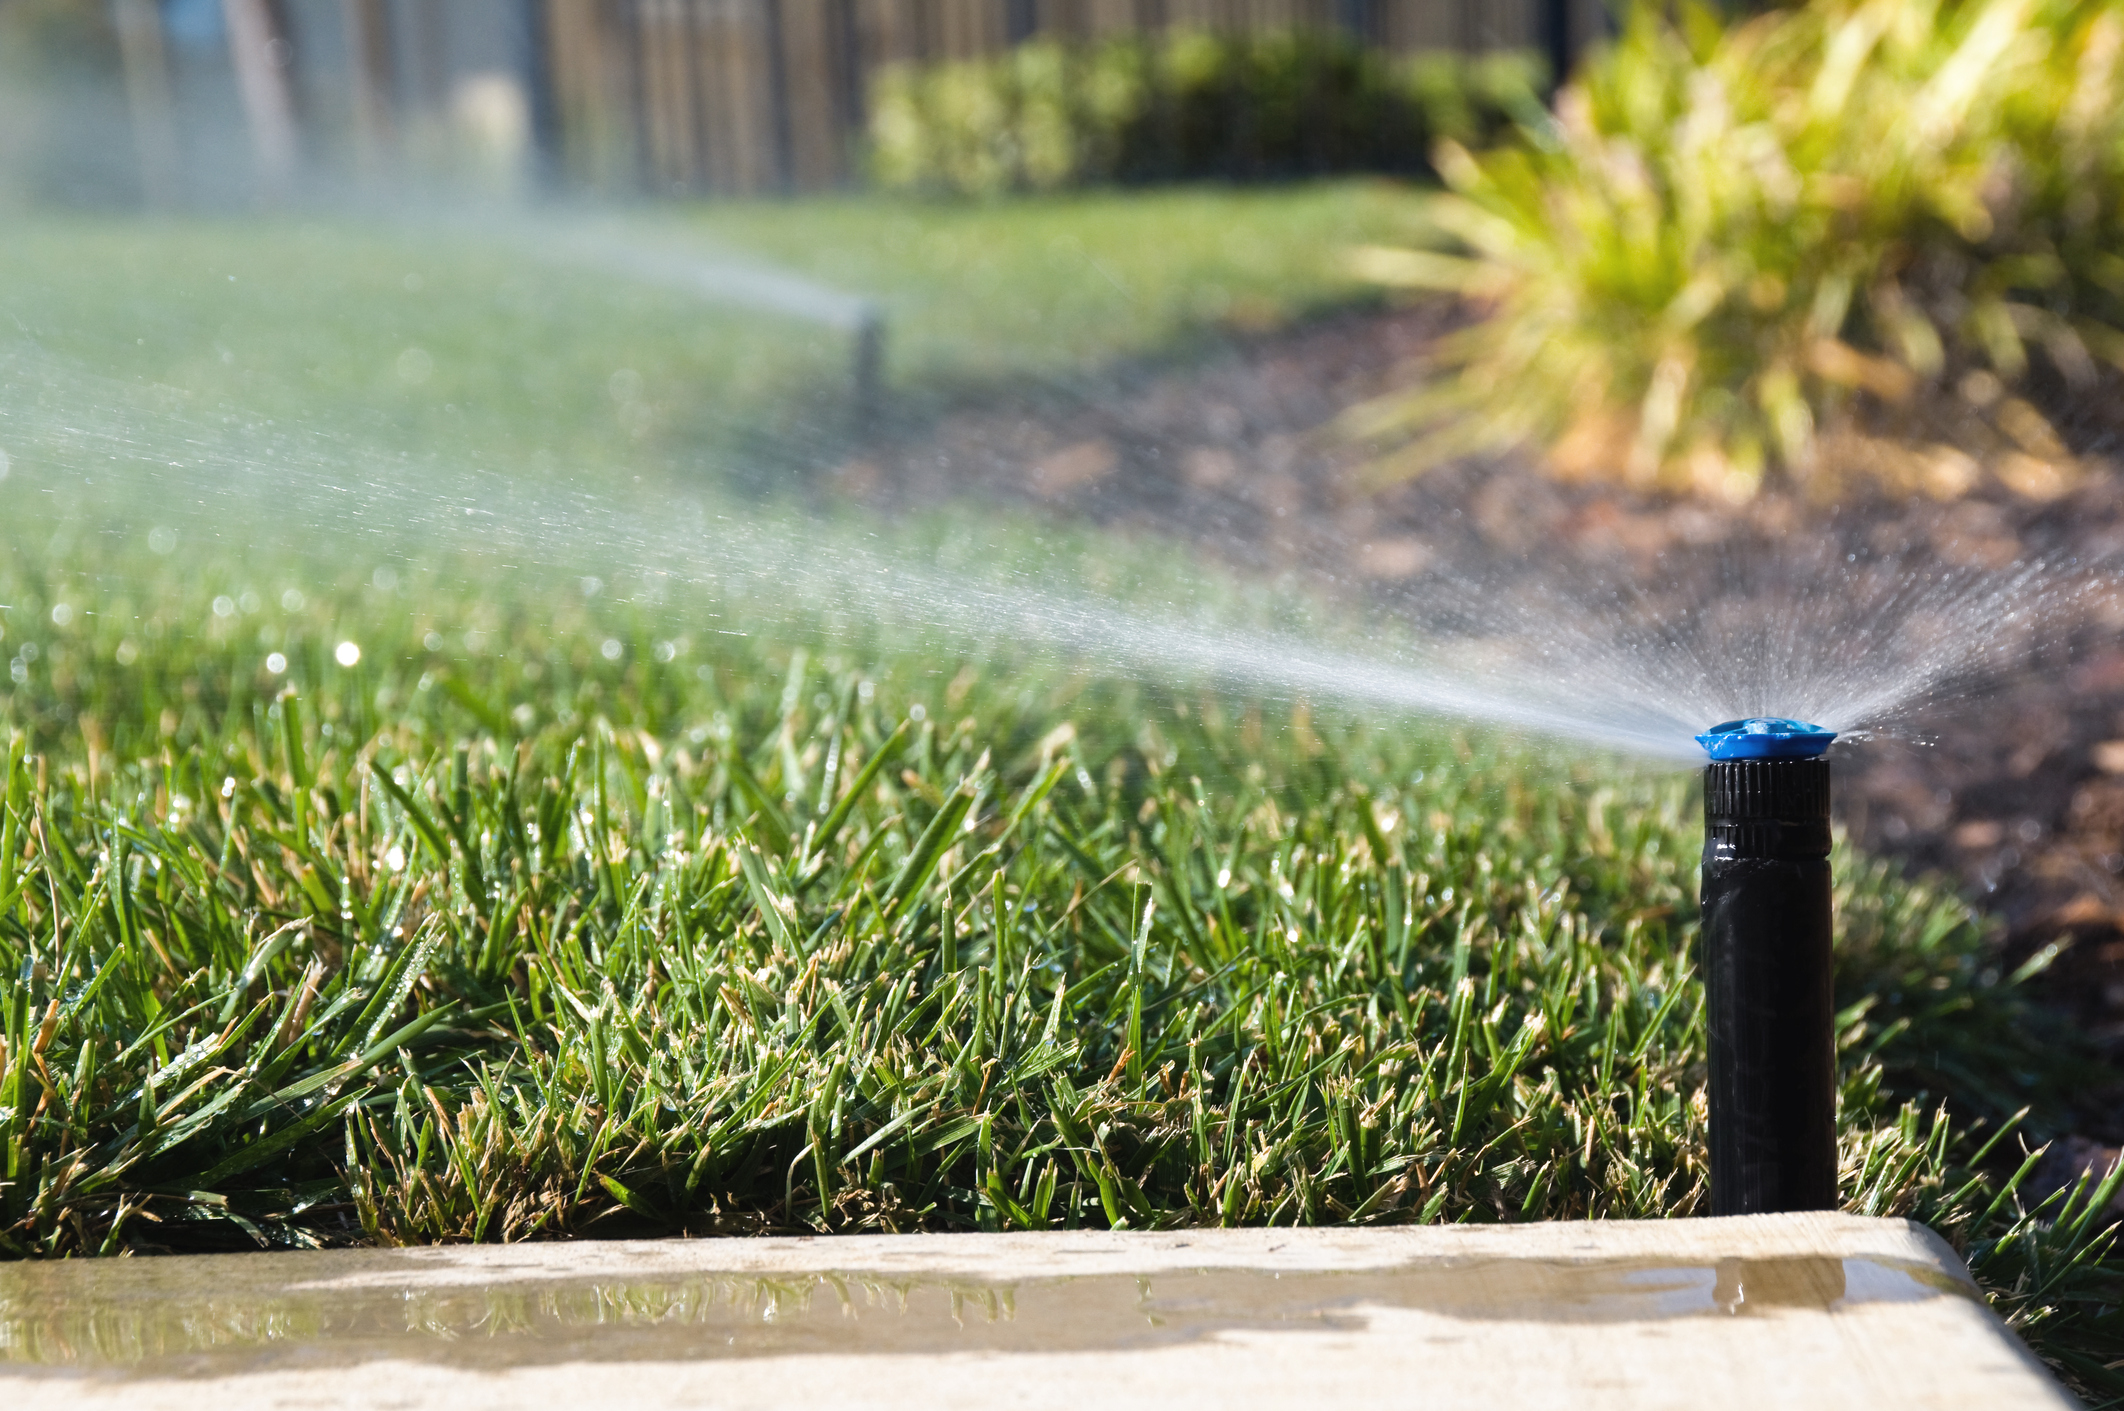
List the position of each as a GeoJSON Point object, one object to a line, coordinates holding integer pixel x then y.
{"type": "Point", "coordinates": [1765, 739]}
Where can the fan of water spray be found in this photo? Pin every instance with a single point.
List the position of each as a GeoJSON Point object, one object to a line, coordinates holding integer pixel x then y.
{"type": "Point", "coordinates": [1549, 649]}
{"type": "Point", "coordinates": [1861, 647]}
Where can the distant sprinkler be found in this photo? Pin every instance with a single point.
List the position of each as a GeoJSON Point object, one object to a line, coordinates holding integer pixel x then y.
{"type": "Point", "coordinates": [869, 368]}
{"type": "Point", "coordinates": [1767, 967]}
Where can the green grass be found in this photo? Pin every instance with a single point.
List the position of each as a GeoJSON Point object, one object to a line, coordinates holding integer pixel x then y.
{"type": "Point", "coordinates": [514, 354]}
{"type": "Point", "coordinates": [742, 934]}
{"type": "Point", "coordinates": [578, 908]}
{"type": "Point", "coordinates": [1053, 285]}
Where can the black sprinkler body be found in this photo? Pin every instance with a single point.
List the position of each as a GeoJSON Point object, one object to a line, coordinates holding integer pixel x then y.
{"type": "Point", "coordinates": [1767, 968]}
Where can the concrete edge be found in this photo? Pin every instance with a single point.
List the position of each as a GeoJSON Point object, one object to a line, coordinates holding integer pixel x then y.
{"type": "Point", "coordinates": [1006, 1257]}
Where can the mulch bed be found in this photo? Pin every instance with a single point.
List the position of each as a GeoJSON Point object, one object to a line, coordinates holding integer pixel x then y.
{"type": "Point", "coordinates": [2019, 794]}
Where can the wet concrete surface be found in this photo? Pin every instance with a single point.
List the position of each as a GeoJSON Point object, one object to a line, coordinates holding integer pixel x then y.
{"type": "Point", "coordinates": [1846, 1311]}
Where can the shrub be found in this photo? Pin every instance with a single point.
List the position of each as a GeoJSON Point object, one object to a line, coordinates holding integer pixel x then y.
{"type": "Point", "coordinates": [1184, 106]}
{"type": "Point", "coordinates": [1828, 242]}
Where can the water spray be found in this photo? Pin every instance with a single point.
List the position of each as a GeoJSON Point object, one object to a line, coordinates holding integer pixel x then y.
{"type": "Point", "coordinates": [1767, 967]}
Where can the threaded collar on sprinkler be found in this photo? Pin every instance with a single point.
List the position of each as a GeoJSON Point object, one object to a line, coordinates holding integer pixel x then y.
{"type": "Point", "coordinates": [1765, 739]}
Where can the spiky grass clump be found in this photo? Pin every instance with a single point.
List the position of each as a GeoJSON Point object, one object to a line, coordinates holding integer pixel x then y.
{"type": "Point", "coordinates": [1830, 221]}
{"type": "Point", "coordinates": [584, 929]}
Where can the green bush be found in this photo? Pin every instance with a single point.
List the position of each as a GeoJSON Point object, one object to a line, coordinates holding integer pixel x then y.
{"type": "Point", "coordinates": [1828, 242]}
{"type": "Point", "coordinates": [1188, 105]}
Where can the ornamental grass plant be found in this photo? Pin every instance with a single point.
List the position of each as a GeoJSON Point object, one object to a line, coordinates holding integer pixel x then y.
{"type": "Point", "coordinates": [1848, 240]}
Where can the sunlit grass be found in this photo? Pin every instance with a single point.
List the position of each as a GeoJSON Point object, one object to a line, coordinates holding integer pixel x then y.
{"type": "Point", "coordinates": [589, 919]}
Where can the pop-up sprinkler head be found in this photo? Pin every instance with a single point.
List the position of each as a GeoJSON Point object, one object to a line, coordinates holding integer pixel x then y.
{"type": "Point", "coordinates": [1767, 967]}
{"type": "Point", "coordinates": [1765, 739]}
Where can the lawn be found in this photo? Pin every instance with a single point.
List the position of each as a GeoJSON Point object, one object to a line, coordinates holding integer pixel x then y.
{"type": "Point", "coordinates": [477, 341]}
{"type": "Point", "coordinates": [621, 926]}
{"type": "Point", "coordinates": [425, 883]}
{"type": "Point", "coordinates": [1051, 285]}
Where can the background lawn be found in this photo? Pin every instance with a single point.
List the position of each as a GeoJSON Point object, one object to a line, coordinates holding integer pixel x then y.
{"type": "Point", "coordinates": [465, 340]}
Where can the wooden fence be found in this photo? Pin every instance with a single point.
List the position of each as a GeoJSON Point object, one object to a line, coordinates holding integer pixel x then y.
{"type": "Point", "coordinates": [753, 96]}
{"type": "Point", "coordinates": [731, 97]}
